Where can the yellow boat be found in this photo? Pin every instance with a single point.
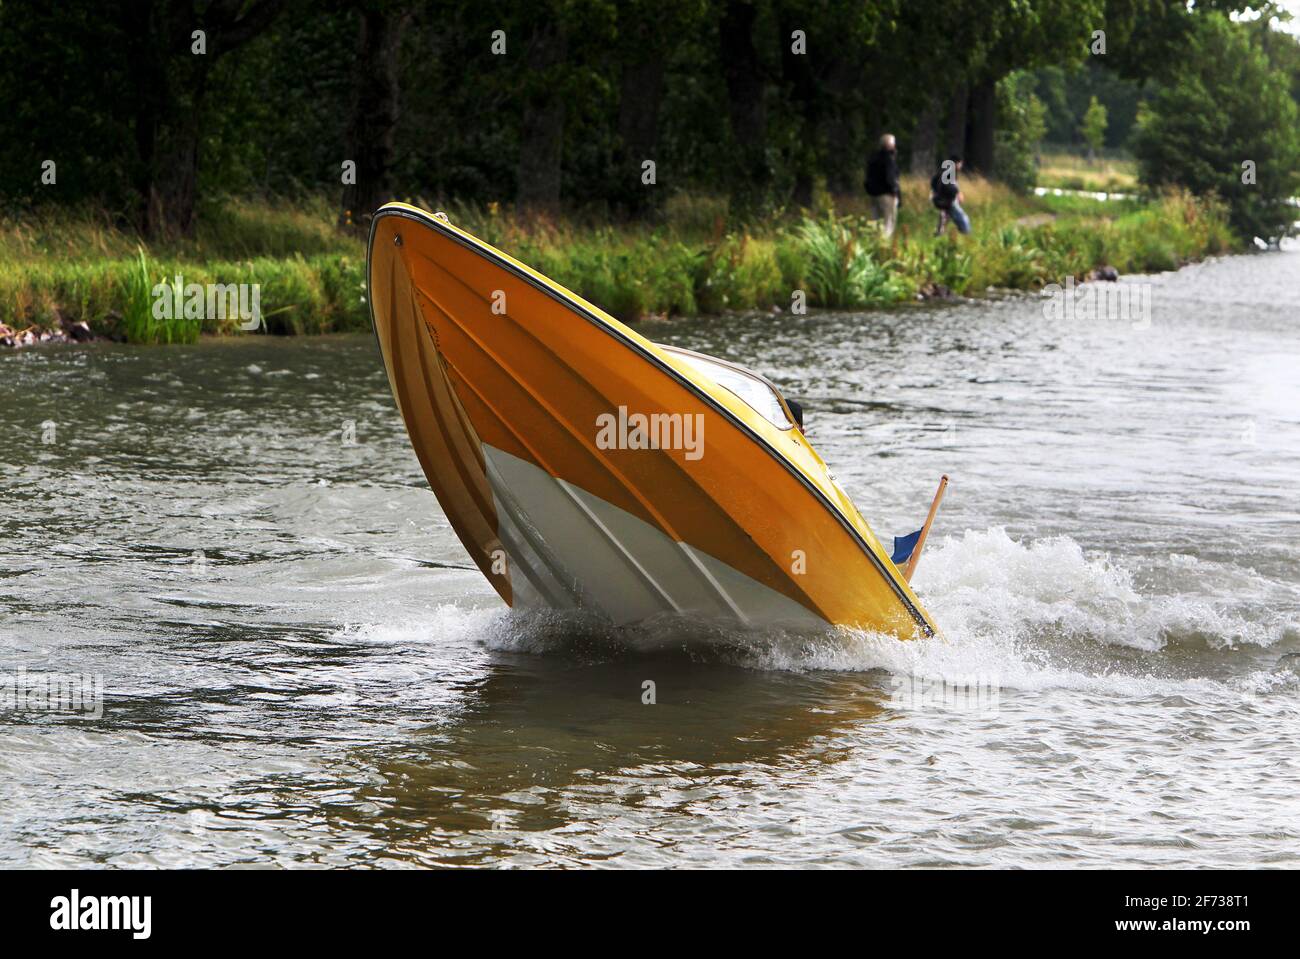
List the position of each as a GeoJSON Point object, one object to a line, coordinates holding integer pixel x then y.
{"type": "Point", "coordinates": [585, 467]}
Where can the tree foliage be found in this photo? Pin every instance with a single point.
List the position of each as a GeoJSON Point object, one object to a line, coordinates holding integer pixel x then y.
{"type": "Point", "coordinates": [1093, 126]}
{"type": "Point", "coordinates": [1226, 124]}
{"type": "Point", "coordinates": [1021, 125]}
{"type": "Point", "coordinates": [765, 101]}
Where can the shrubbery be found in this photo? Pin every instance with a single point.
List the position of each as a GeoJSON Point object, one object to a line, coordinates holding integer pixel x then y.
{"type": "Point", "coordinates": [839, 259]}
{"type": "Point", "coordinates": [1226, 125]}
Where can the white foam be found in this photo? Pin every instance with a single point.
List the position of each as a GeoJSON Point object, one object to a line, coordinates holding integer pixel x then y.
{"type": "Point", "coordinates": [985, 582]}
{"type": "Point", "coordinates": [1024, 615]}
{"type": "Point", "coordinates": [1042, 614]}
{"type": "Point", "coordinates": [443, 619]}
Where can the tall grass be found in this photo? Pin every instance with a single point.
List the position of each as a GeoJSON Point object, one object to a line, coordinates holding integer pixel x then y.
{"type": "Point", "coordinates": [840, 268]}
{"type": "Point", "coordinates": [138, 322]}
{"type": "Point", "coordinates": [1073, 171]}
{"type": "Point", "coordinates": [311, 276]}
{"type": "Point", "coordinates": [79, 267]}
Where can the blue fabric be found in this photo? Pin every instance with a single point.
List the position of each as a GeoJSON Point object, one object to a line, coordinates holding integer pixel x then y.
{"type": "Point", "coordinates": [959, 217]}
{"type": "Point", "coordinates": [903, 546]}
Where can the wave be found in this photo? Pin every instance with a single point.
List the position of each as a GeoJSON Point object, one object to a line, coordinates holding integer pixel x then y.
{"type": "Point", "coordinates": [1026, 615]}
{"type": "Point", "coordinates": [986, 582]}
{"type": "Point", "coordinates": [1047, 613]}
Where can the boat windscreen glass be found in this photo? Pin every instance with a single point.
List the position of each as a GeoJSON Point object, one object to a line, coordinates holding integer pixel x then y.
{"type": "Point", "coordinates": [756, 392]}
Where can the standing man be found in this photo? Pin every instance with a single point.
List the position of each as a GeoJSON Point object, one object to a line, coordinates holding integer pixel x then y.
{"type": "Point", "coordinates": [882, 183]}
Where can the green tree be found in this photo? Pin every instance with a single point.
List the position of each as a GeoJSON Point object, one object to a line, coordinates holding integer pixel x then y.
{"type": "Point", "coordinates": [1226, 124]}
{"type": "Point", "coordinates": [1019, 36]}
{"type": "Point", "coordinates": [1066, 95]}
{"type": "Point", "coordinates": [177, 44]}
{"type": "Point", "coordinates": [1093, 127]}
{"type": "Point", "coordinates": [1021, 125]}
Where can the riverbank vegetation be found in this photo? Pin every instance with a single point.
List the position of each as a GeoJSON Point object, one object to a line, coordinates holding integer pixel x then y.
{"type": "Point", "coordinates": [657, 156]}
{"type": "Point", "coordinates": [61, 269]}
{"type": "Point", "coordinates": [1107, 173]}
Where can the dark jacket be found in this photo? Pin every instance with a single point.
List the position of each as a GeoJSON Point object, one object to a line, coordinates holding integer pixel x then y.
{"type": "Point", "coordinates": [882, 173]}
{"type": "Point", "coordinates": [944, 194]}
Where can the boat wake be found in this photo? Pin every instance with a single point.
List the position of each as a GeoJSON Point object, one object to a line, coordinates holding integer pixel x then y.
{"type": "Point", "coordinates": [1024, 615]}
{"type": "Point", "coordinates": [1047, 614]}
{"type": "Point", "coordinates": [988, 583]}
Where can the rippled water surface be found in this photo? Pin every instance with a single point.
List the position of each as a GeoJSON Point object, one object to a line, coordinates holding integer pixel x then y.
{"type": "Point", "coordinates": [299, 667]}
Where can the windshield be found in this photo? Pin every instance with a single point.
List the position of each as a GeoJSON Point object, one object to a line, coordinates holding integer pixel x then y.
{"type": "Point", "coordinates": [757, 392]}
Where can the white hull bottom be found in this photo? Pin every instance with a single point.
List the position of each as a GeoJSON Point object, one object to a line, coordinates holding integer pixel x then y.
{"type": "Point", "coordinates": [568, 549]}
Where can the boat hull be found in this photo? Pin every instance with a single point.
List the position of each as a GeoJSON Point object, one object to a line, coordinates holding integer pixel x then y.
{"type": "Point", "coordinates": [517, 395]}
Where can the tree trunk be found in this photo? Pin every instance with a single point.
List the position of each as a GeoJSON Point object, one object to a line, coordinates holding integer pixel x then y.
{"type": "Point", "coordinates": [925, 141]}
{"type": "Point", "coordinates": [956, 129]}
{"type": "Point", "coordinates": [803, 188]}
{"type": "Point", "coordinates": [745, 106]}
{"type": "Point", "coordinates": [801, 87]}
{"type": "Point", "coordinates": [169, 120]}
{"type": "Point", "coordinates": [842, 128]}
{"type": "Point", "coordinates": [368, 139]}
{"type": "Point", "coordinates": [174, 185]}
{"type": "Point", "coordinates": [638, 126]}
{"type": "Point", "coordinates": [172, 88]}
{"type": "Point", "coordinates": [541, 146]}
{"type": "Point", "coordinates": [149, 86]}
{"type": "Point", "coordinates": [983, 124]}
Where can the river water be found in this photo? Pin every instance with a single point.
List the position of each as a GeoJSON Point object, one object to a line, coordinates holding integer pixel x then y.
{"type": "Point", "coordinates": [299, 668]}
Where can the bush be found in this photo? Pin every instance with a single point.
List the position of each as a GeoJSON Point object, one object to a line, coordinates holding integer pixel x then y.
{"type": "Point", "coordinates": [82, 270]}
{"type": "Point", "coordinates": [740, 273]}
{"type": "Point", "coordinates": [1021, 125]}
{"type": "Point", "coordinates": [840, 270]}
{"type": "Point", "coordinates": [1227, 107]}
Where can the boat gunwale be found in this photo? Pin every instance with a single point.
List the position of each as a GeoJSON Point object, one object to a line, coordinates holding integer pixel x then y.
{"type": "Point", "coordinates": [570, 300]}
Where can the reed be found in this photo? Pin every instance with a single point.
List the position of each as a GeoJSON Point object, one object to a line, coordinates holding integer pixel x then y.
{"type": "Point", "coordinates": [311, 275]}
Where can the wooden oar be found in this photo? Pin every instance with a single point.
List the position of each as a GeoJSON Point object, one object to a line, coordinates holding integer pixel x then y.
{"type": "Point", "coordinates": [925, 530]}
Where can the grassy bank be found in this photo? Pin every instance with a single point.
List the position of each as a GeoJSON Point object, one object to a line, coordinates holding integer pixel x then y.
{"type": "Point", "coordinates": [62, 269]}
{"type": "Point", "coordinates": [1069, 171]}
{"type": "Point", "coordinates": [839, 259]}
{"type": "Point", "coordinates": [80, 268]}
